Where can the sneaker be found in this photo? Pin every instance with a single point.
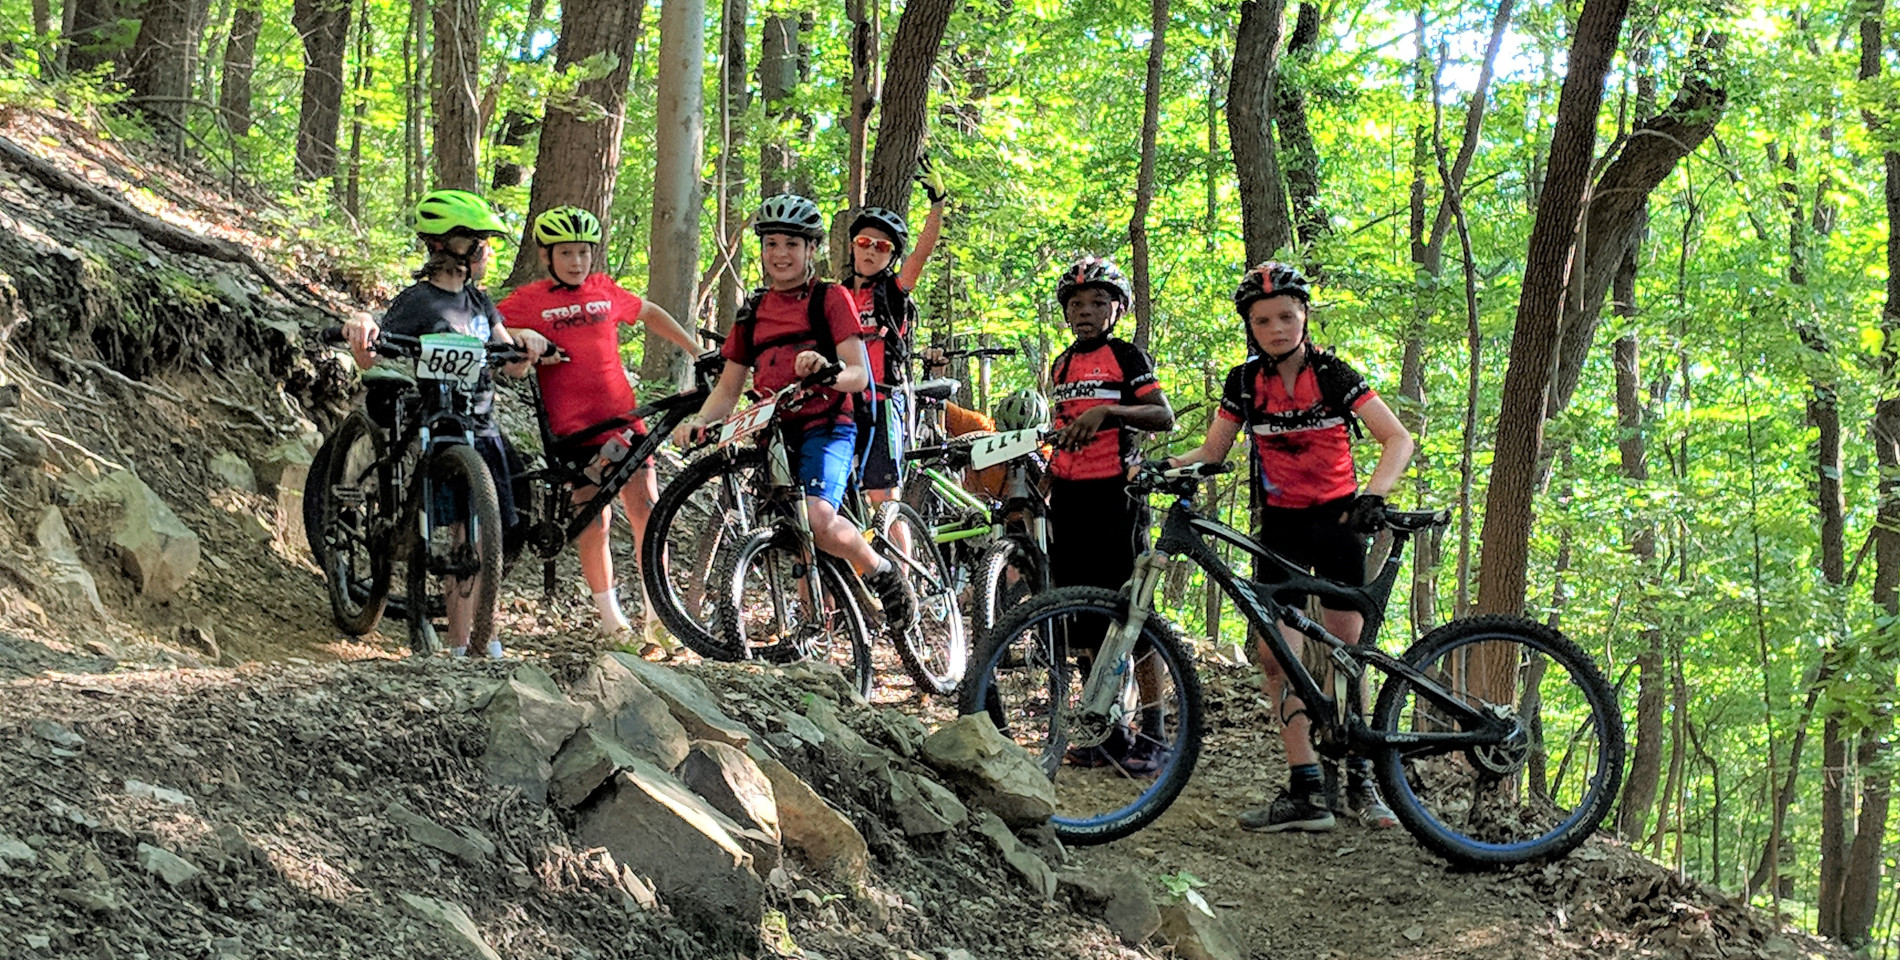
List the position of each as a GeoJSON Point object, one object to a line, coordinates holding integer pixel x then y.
{"type": "Point", "coordinates": [894, 591]}
{"type": "Point", "coordinates": [1290, 811]}
{"type": "Point", "coordinates": [494, 650]}
{"type": "Point", "coordinates": [1147, 757]}
{"type": "Point", "coordinates": [1363, 797]}
{"type": "Point", "coordinates": [1087, 758]}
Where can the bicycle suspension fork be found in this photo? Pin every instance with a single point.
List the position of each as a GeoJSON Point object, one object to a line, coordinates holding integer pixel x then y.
{"type": "Point", "coordinates": [1104, 684]}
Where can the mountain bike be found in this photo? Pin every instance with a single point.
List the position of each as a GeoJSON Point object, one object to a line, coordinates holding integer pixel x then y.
{"type": "Point", "coordinates": [417, 492]}
{"type": "Point", "coordinates": [1495, 740]}
{"type": "Point", "coordinates": [777, 597]}
{"type": "Point", "coordinates": [1002, 550]}
{"type": "Point", "coordinates": [551, 516]}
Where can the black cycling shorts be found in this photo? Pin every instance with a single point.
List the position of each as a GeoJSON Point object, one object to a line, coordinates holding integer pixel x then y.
{"type": "Point", "coordinates": [879, 469]}
{"type": "Point", "coordinates": [1316, 537]}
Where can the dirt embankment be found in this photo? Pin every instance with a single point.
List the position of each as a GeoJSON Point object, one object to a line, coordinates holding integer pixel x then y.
{"type": "Point", "coordinates": [221, 721]}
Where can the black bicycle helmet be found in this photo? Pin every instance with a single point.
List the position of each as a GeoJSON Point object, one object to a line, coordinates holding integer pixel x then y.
{"type": "Point", "coordinates": [1270, 279]}
{"type": "Point", "coordinates": [789, 213]}
{"type": "Point", "coordinates": [1093, 272]}
{"type": "Point", "coordinates": [885, 220]}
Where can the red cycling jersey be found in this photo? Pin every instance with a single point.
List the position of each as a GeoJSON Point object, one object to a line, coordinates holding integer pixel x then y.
{"type": "Point", "coordinates": [1305, 448]}
{"type": "Point", "coordinates": [1102, 372]}
{"type": "Point", "coordinates": [592, 386]}
{"type": "Point", "coordinates": [780, 329]}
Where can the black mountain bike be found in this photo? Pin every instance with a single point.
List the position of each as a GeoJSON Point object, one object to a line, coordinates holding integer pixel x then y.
{"type": "Point", "coordinates": [1496, 740]}
{"type": "Point", "coordinates": [417, 492]}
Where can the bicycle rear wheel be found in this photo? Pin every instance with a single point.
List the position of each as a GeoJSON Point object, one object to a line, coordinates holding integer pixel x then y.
{"type": "Point", "coordinates": [1541, 791]}
{"type": "Point", "coordinates": [697, 518]}
{"type": "Point", "coordinates": [1029, 681]}
{"type": "Point", "coordinates": [936, 650]}
{"type": "Point", "coordinates": [345, 540]}
{"type": "Point", "coordinates": [458, 560]}
{"type": "Point", "coordinates": [769, 608]}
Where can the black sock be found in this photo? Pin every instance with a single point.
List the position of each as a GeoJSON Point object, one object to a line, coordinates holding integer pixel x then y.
{"type": "Point", "coordinates": [1306, 780]}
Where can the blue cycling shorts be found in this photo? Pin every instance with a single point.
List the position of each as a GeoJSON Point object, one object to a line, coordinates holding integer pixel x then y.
{"type": "Point", "coordinates": [824, 460]}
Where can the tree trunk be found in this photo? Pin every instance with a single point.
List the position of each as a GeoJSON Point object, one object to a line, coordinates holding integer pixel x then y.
{"type": "Point", "coordinates": [415, 52]}
{"type": "Point", "coordinates": [1210, 164]}
{"type": "Point", "coordinates": [673, 244]}
{"type": "Point", "coordinates": [1507, 514]}
{"type": "Point", "coordinates": [524, 50]}
{"type": "Point", "coordinates": [1861, 879]}
{"type": "Point", "coordinates": [1618, 214]}
{"type": "Point", "coordinates": [736, 97]}
{"type": "Point", "coordinates": [1264, 222]}
{"type": "Point", "coordinates": [365, 47]}
{"type": "Point", "coordinates": [454, 82]}
{"type": "Point", "coordinates": [1833, 854]}
{"type": "Point", "coordinates": [89, 39]}
{"type": "Point", "coordinates": [1145, 179]}
{"type": "Point", "coordinates": [325, 27]}
{"type": "Point", "coordinates": [517, 128]}
{"type": "Point", "coordinates": [579, 154]}
{"type": "Point", "coordinates": [1639, 787]}
{"type": "Point", "coordinates": [1426, 269]}
{"type": "Point", "coordinates": [778, 80]}
{"type": "Point", "coordinates": [159, 71]}
{"type": "Point", "coordinates": [240, 62]}
{"type": "Point", "coordinates": [1302, 173]}
{"type": "Point", "coordinates": [863, 15]}
{"type": "Point", "coordinates": [1768, 867]}
{"type": "Point", "coordinates": [905, 102]}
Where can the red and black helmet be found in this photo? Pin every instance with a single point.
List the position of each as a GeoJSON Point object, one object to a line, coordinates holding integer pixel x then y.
{"type": "Point", "coordinates": [1270, 279]}
{"type": "Point", "coordinates": [1093, 272]}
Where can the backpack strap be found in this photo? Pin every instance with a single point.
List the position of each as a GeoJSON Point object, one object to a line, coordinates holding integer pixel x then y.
{"type": "Point", "coordinates": [815, 298]}
{"type": "Point", "coordinates": [898, 313]}
{"type": "Point", "coordinates": [1339, 387]}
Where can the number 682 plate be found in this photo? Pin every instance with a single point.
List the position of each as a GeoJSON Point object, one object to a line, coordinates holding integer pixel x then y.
{"type": "Point", "coordinates": [455, 357]}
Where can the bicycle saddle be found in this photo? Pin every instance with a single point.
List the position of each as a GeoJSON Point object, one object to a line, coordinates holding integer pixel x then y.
{"type": "Point", "coordinates": [1412, 521]}
{"type": "Point", "coordinates": [935, 388]}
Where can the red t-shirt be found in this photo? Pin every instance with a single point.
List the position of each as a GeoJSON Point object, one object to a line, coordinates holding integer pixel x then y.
{"type": "Point", "coordinates": [1112, 371]}
{"type": "Point", "coordinates": [864, 302]}
{"type": "Point", "coordinates": [778, 330]}
{"type": "Point", "coordinates": [1305, 449]}
{"type": "Point", "coordinates": [592, 386]}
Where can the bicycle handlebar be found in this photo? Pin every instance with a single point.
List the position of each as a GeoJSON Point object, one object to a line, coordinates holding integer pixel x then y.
{"type": "Point", "coordinates": [979, 352]}
{"type": "Point", "coordinates": [404, 347]}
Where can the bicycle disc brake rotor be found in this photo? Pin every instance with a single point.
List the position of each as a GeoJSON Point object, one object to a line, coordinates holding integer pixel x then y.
{"type": "Point", "coordinates": [1508, 755]}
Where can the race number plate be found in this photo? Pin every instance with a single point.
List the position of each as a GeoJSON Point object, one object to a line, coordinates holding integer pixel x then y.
{"type": "Point", "coordinates": [997, 448]}
{"type": "Point", "coordinates": [455, 357]}
{"type": "Point", "coordinates": [746, 422]}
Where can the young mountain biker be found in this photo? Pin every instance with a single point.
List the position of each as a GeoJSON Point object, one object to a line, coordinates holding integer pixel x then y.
{"type": "Point", "coordinates": [455, 227]}
{"type": "Point", "coordinates": [581, 312]}
{"type": "Point", "coordinates": [1103, 394]}
{"type": "Point", "coordinates": [880, 291]}
{"type": "Point", "coordinates": [777, 340]}
{"type": "Point", "coordinates": [1299, 402]}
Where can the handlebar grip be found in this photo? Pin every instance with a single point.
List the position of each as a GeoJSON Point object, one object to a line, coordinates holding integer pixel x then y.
{"type": "Point", "coordinates": [823, 376]}
{"type": "Point", "coordinates": [331, 335]}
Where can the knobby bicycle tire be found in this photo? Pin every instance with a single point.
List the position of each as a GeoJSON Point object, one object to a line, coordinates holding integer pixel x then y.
{"type": "Point", "coordinates": [776, 554]}
{"type": "Point", "coordinates": [1024, 643]}
{"type": "Point", "coordinates": [994, 594]}
{"type": "Point", "coordinates": [935, 651]}
{"type": "Point", "coordinates": [453, 467]}
{"type": "Point", "coordinates": [1467, 806]}
{"type": "Point", "coordinates": [701, 539]}
{"type": "Point", "coordinates": [356, 567]}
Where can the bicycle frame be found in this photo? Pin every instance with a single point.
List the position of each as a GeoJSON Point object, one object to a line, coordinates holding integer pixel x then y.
{"type": "Point", "coordinates": [1184, 532]}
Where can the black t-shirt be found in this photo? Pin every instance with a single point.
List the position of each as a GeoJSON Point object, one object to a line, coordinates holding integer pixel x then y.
{"type": "Point", "coordinates": [427, 308]}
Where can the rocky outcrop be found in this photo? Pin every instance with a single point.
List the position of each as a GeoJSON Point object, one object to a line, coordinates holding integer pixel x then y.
{"type": "Point", "coordinates": [154, 547]}
{"type": "Point", "coordinates": [619, 706]}
{"type": "Point", "coordinates": [999, 775]}
{"type": "Point", "coordinates": [529, 718]}
{"type": "Point", "coordinates": [693, 853]}
{"type": "Point", "coordinates": [70, 584]}
{"type": "Point", "coordinates": [824, 838]}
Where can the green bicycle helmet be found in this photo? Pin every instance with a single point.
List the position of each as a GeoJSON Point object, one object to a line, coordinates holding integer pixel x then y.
{"type": "Point", "coordinates": [791, 214]}
{"type": "Point", "coordinates": [441, 213]}
{"type": "Point", "coordinates": [566, 225]}
{"type": "Point", "coordinates": [1022, 410]}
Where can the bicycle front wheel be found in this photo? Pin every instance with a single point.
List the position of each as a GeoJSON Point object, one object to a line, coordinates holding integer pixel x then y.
{"type": "Point", "coordinates": [1113, 773]}
{"type": "Point", "coordinates": [346, 541]}
{"type": "Point", "coordinates": [936, 650]}
{"type": "Point", "coordinates": [697, 518]}
{"type": "Point", "coordinates": [775, 605]}
{"type": "Point", "coordinates": [1006, 575]}
{"type": "Point", "coordinates": [455, 551]}
{"type": "Point", "coordinates": [1540, 791]}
